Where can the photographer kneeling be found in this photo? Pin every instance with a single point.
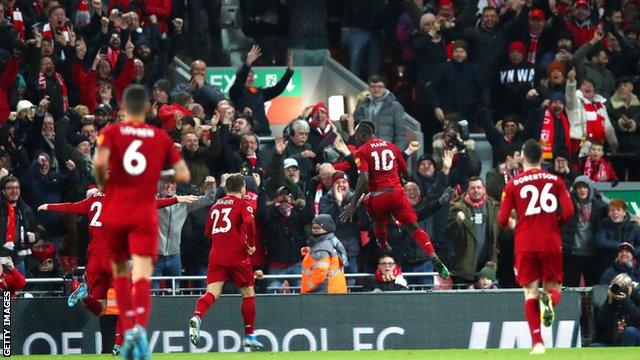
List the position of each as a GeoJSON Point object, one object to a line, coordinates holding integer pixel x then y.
{"type": "Point", "coordinates": [618, 319]}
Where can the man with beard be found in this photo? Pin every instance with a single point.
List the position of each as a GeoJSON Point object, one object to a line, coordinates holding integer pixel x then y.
{"type": "Point", "coordinates": [581, 25]}
{"type": "Point", "coordinates": [484, 38]}
{"type": "Point", "coordinates": [595, 66]}
{"type": "Point", "coordinates": [551, 127]}
{"type": "Point", "coordinates": [198, 158]}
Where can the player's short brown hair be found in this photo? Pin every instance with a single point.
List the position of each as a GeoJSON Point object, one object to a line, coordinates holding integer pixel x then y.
{"type": "Point", "coordinates": [135, 99]}
{"type": "Point", "coordinates": [235, 183]}
{"type": "Point", "coordinates": [532, 151]}
{"type": "Point", "coordinates": [618, 204]}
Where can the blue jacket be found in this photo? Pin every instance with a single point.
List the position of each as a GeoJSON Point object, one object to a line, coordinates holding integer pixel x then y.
{"type": "Point", "coordinates": [610, 235]}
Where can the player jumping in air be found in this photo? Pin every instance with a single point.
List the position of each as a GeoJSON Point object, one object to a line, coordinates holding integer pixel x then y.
{"type": "Point", "coordinates": [379, 163]}
{"type": "Point", "coordinates": [134, 154]}
{"type": "Point", "coordinates": [542, 204]}
{"type": "Point", "coordinates": [231, 226]}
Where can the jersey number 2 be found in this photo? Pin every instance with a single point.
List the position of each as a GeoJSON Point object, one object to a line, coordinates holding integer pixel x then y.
{"type": "Point", "coordinates": [544, 201]}
{"type": "Point", "coordinates": [385, 158]}
{"type": "Point", "coordinates": [134, 161]}
{"type": "Point", "coordinates": [94, 220]}
{"type": "Point", "coordinates": [226, 222]}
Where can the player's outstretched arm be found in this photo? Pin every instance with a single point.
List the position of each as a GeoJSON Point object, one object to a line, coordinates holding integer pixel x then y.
{"type": "Point", "coordinates": [506, 206]}
{"type": "Point", "coordinates": [80, 207]}
{"type": "Point", "coordinates": [361, 185]}
{"type": "Point", "coordinates": [182, 172]}
{"type": "Point", "coordinates": [100, 164]}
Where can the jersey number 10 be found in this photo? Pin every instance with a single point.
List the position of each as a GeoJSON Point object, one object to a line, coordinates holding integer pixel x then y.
{"type": "Point", "coordinates": [540, 201]}
{"type": "Point", "coordinates": [385, 158]}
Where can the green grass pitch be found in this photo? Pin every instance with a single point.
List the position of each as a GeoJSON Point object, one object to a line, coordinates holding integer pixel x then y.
{"type": "Point", "coordinates": [451, 354]}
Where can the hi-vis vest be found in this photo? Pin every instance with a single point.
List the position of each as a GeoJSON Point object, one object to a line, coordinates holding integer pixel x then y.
{"type": "Point", "coordinates": [112, 305]}
{"type": "Point", "coordinates": [322, 270]}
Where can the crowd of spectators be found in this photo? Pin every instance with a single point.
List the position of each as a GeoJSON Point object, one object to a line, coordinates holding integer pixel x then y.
{"type": "Point", "coordinates": [561, 72]}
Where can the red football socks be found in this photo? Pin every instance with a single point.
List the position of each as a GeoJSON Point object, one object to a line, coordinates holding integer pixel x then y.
{"type": "Point", "coordinates": [93, 305]}
{"type": "Point", "coordinates": [248, 314]}
{"type": "Point", "coordinates": [122, 286]}
{"type": "Point", "coordinates": [421, 237]}
{"type": "Point", "coordinates": [532, 314]}
{"type": "Point", "coordinates": [555, 297]}
{"type": "Point", "coordinates": [142, 301]}
{"type": "Point", "coordinates": [119, 333]}
{"type": "Point", "coordinates": [381, 236]}
{"type": "Point", "coordinates": [203, 304]}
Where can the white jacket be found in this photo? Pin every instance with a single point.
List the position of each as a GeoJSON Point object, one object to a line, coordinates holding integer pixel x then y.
{"type": "Point", "coordinates": [576, 116]}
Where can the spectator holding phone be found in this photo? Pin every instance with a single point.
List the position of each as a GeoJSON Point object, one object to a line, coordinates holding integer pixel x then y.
{"type": "Point", "coordinates": [43, 261]}
{"type": "Point", "coordinates": [11, 279]}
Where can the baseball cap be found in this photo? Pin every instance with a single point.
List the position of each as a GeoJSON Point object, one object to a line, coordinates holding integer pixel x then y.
{"type": "Point", "coordinates": [581, 3]}
{"type": "Point", "coordinates": [628, 247]}
{"type": "Point", "coordinates": [337, 176]}
{"type": "Point", "coordinates": [289, 162]}
{"type": "Point", "coordinates": [536, 14]}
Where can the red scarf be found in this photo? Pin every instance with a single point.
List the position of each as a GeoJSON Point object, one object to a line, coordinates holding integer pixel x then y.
{"type": "Point", "coordinates": [599, 170]}
{"type": "Point", "coordinates": [594, 115]}
{"type": "Point", "coordinates": [475, 204]}
{"type": "Point", "coordinates": [547, 135]}
{"type": "Point", "coordinates": [510, 174]}
{"type": "Point", "coordinates": [42, 86]}
{"type": "Point", "coordinates": [252, 159]}
{"type": "Point", "coordinates": [316, 199]}
{"type": "Point", "coordinates": [316, 126]}
{"type": "Point", "coordinates": [396, 272]}
{"type": "Point", "coordinates": [83, 16]}
{"type": "Point", "coordinates": [11, 223]}
{"type": "Point", "coordinates": [112, 57]}
{"type": "Point", "coordinates": [18, 23]}
{"type": "Point", "coordinates": [48, 252]}
{"type": "Point", "coordinates": [47, 33]}
{"type": "Point", "coordinates": [533, 48]}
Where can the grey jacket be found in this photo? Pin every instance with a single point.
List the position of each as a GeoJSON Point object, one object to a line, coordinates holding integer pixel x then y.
{"type": "Point", "coordinates": [388, 115]}
{"type": "Point", "coordinates": [172, 218]}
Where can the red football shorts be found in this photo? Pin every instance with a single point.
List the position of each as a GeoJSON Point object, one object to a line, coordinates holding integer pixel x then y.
{"type": "Point", "coordinates": [392, 203]}
{"type": "Point", "coordinates": [241, 275]}
{"type": "Point", "coordinates": [133, 239]}
{"type": "Point", "coordinates": [531, 266]}
{"type": "Point", "coordinates": [99, 276]}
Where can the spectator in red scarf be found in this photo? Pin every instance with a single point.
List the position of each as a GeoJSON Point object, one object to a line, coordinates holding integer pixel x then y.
{"type": "Point", "coordinates": [11, 279]}
{"type": "Point", "coordinates": [51, 83]}
{"type": "Point", "coordinates": [320, 126]}
{"type": "Point", "coordinates": [473, 228]}
{"type": "Point", "coordinates": [17, 223]}
{"type": "Point", "coordinates": [550, 126]}
{"type": "Point", "coordinates": [43, 261]}
{"type": "Point", "coordinates": [388, 277]}
{"type": "Point", "coordinates": [596, 167]}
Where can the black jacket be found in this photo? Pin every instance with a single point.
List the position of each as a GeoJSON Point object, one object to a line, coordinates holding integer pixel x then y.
{"type": "Point", "coordinates": [25, 221]}
{"type": "Point", "coordinates": [608, 315]}
{"type": "Point", "coordinates": [283, 237]}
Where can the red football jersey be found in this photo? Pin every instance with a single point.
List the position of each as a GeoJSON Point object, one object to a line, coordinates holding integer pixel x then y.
{"type": "Point", "coordinates": [138, 153]}
{"type": "Point", "coordinates": [383, 161]}
{"type": "Point", "coordinates": [92, 208]}
{"type": "Point", "coordinates": [232, 228]}
{"type": "Point", "coordinates": [542, 204]}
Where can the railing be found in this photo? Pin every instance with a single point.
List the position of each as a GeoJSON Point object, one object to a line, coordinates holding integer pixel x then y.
{"type": "Point", "coordinates": [176, 289]}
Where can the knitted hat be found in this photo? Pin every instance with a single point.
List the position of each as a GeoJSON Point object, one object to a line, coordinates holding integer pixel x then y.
{"type": "Point", "coordinates": [163, 85]}
{"type": "Point", "coordinates": [556, 65]}
{"type": "Point", "coordinates": [337, 176]}
{"type": "Point", "coordinates": [460, 44]}
{"type": "Point", "coordinates": [558, 96]}
{"type": "Point", "coordinates": [325, 221]}
{"type": "Point", "coordinates": [426, 157]}
{"type": "Point", "coordinates": [23, 105]}
{"type": "Point", "coordinates": [536, 14]}
{"type": "Point", "coordinates": [628, 247]}
{"type": "Point", "coordinates": [143, 40]}
{"type": "Point", "coordinates": [20, 82]}
{"type": "Point", "coordinates": [487, 272]}
{"type": "Point", "coordinates": [517, 46]}
{"type": "Point", "coordinates": [75, 139]}
{"type": "Point", "coordinates": [103, 108]}
{"type": "Point", "coordinates": [318, 107]}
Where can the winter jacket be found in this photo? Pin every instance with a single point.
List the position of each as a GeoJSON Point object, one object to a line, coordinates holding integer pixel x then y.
{"type": "Point", "coordinates": [346, 232]}
{"type": "Point", "coordinates": [610, 235]}
{"type": "Point", "coordinates": [632, 269]}
{"type": "Point", "coordinates": [284, 236]}
{"type": "Point", "coordinates": [322, 267]}
{"type": "Point", "coordinates": [463, 235]}
{"type": "Point", "coordinates": [571, 243]}
{"type": "Point", "coordinates": [510, 87]}
{"type": "Point", "coordinates": [199, 163]}
{"type": "Point", "coordinates": [195, 245]}
{"type": "Point", "coordinates": [577, 118]}
{"type": "Point", "coordinates": [172, 218]}
{"type": "Point", "coordinates": [627, 133]}
{"type": "Point", "coordinates": [429, 55]}
{"type": "Point", "coordinates": [25, 221]}
{"type": "Point", "coordinates": [208, 96]}
{"type": "Point", "coordinates": [254, 100]}
{"type": "Point", "coordinates": [459, 88]}
{"type": "Point", "coordinates": [500, 147]}
{"type": "Point", "coordinates": [608, 315]}
{"type": "Point", "coordinates": [388, 115]}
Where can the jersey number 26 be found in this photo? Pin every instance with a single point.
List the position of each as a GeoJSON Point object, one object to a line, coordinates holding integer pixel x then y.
{"type": "Point", "coordinates": [540, 201]}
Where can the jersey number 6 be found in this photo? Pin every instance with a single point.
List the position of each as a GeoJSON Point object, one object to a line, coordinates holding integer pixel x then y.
{"type": "Point", "coordinates": [134, 161]}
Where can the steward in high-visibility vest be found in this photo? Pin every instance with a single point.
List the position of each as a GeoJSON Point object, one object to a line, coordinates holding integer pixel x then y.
{"type": "Point", "coordinates": [323, 265]}
{"type": "Point", "coordinates": [112, 305]}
